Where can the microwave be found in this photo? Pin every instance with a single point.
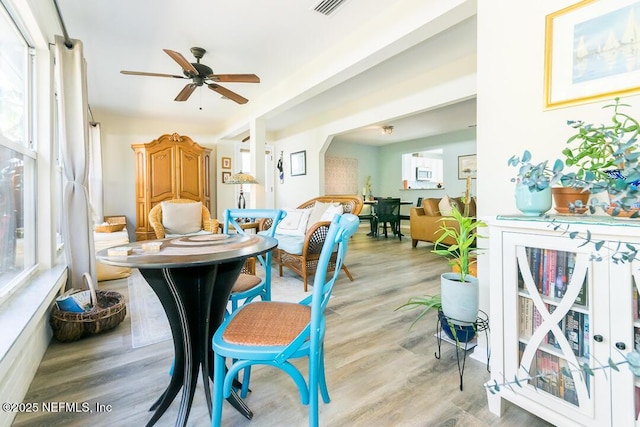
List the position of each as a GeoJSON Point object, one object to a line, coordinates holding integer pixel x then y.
{"type": "Point", "coordinates": [424, 174]}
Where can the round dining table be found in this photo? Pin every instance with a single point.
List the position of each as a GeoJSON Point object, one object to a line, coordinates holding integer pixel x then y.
{"type": "Point", "coordinates": [192, 276]}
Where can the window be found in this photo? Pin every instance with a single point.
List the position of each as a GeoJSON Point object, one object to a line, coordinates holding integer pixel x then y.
{"type": "Point", "coordinates": [423, 169]}
{"type": "Point", "coordinates": [17, 158]}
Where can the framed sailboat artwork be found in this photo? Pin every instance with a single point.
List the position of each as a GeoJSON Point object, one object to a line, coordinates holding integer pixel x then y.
{"type": "Point", "coordinates": [592, 52]}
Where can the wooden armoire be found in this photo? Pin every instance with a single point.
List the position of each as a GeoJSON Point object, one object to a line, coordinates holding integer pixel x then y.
{"type": "Point", "coordinates": [170, 167]}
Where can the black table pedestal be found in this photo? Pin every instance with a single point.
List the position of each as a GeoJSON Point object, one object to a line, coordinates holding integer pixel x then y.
{"type": "Point", "coordinates": [194, 299]}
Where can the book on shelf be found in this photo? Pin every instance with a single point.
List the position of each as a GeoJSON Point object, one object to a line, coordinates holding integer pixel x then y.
{"type": "Point", "coordinates": [536, 263]}
{"type": "Point", "coordinates": [548, 372]}
{"type": "Point", "coordinates": [568, 385]}
{"type": "Point", "coordinates": [586, 336]}
{"type": "Point", "coordinates": [561, 275]}
{"type": "Point", "coordinates": [551, 338]}
{"type": "Point", "coordinates": [544, 266]}
{"type": "Point", "coordinates": [573, 331]}
{"type": "Point", "coordinates": [550, 276]}
{"type": "Point", "coordinates": [582, 294]}
{"type": "Point", "coordinates": [636, 338]}
{"type": "Point", "coordinates": [537, 320]}
{"type": "Point", "coordinates": [526, 316]}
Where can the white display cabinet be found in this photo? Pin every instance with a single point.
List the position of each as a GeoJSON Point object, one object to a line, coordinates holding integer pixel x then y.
{"type": "Point", "coordinates": [558, 301]}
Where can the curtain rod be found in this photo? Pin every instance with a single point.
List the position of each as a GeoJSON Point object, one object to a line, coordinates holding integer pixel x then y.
{"type": "Point", "coordinates": [67, 40]}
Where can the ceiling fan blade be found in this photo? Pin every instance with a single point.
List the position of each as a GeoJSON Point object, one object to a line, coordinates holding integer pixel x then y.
{"type": "Point", "coordinates": [229, 94]}
{"type": "Point", "coordinates": [140, 73]}
{"type": "Point", "coordinates": [181, 60]}
{"type": "Point", "coordinates": [234, 78]}
{"type": "Point", "coordinates": [186, 92]}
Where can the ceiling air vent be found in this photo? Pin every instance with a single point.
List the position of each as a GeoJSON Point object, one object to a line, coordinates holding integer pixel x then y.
{"type": "Point", "coordinates": [327, 7]}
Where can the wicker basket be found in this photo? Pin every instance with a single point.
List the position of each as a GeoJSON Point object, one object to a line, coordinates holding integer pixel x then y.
{"type": "Point", "coordinates": [109, 311]}
{"type": "Point", "coordinates": [112, 224]}
{"type": "Point", "coordinates": [109, 228]}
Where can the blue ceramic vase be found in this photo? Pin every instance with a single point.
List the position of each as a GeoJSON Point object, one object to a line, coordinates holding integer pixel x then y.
{"type": "Point", "coordinates": [532, 203]}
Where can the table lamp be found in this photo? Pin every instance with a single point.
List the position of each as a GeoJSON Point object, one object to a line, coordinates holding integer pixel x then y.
{"type": "Point", "coordinates": [241, 178]}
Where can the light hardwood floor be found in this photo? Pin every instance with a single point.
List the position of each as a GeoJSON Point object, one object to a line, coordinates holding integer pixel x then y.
{"type": "Point", "coordinates": [379, 372]}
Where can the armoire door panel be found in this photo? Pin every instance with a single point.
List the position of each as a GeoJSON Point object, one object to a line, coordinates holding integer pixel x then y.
{"type": "Point", "coordinates": [189, 174]}
{"type": "Point", "coordinates": [162, 183]}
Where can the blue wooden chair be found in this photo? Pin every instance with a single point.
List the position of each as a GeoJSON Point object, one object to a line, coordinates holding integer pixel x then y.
{"type": "Point", "coordinates": [249, 286]}
{"type": "Point", "coordinates": [272, 333]}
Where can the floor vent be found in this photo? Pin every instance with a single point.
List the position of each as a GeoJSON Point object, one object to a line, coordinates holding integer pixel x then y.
{"type": "Point", "coordinates": [327, 7]}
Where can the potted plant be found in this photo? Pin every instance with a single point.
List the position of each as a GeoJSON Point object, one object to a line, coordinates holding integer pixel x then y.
{"type": "Point", "coordinates": [459, 289]}
{"type": "Point", "coordinates": [605, 159]}
{"type": "Point", "coordinates": [533, 183]}
{"type": "Point", "coordinates": [458, 301]}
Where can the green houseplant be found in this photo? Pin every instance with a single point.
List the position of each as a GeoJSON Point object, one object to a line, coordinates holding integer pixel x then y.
{"type": "Point", "coordinates": [604, 158]}
{"type": "Point", "coordinates": [459, 289]}
{"type": "Point", "coordinates": [458, 301]}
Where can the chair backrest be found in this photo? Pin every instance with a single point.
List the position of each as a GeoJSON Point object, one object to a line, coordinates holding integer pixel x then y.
{"type": "Point", "coordinates": [342, 227]}
{"type": "Point", "coordinates": [231, 217]}
{"type": "Point", "coordinates": [350, 204]}
{"type": "Point", "coordinates": [388, 209]}
{"type": "Point", "coordinates": [155, 218]}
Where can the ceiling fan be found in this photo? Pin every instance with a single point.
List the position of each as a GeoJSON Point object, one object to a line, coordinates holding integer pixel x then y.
{"type": "Point", "coordinates": [200, 74]}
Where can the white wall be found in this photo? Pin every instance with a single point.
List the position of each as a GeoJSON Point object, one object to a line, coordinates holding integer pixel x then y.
{"type": "Point", "coordinates": [511, 117]}
{"type": "Point", "coordinates": [384, 164]}
{"type": "Point", "coordinates": [367, 155]}
{"type": "Point", "coordinates": [454, 144]}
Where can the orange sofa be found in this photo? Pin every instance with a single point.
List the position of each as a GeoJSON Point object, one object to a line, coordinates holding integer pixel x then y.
{"type": "Point", "coordinates": [425, 221]}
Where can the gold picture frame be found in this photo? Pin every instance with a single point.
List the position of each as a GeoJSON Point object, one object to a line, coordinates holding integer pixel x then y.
{"type": "Point", "coordinates": [226, 163]}
{"type": "Point", "coordinates": [225, 177]}
{"type": "Point", "coordinates": [589, 55]}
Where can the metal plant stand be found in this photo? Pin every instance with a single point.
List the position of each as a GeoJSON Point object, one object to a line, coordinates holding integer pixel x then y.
{"type": "Point", "coordinates": [480, 325]}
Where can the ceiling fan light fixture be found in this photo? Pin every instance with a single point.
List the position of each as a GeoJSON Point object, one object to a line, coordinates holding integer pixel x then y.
{"type": "Point", "coordinates": [201, 74]}
{"type": "Point", "coordinates": [387, 130]}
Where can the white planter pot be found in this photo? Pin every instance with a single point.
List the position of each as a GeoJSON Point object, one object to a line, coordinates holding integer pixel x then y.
{"type": "Point", "coordinates": [460, 301]}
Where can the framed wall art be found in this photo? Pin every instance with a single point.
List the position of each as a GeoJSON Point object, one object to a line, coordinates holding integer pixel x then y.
{"type": "Point", "coordinates": [299, 163]}
{"type": "Point", "coordinates": [467, 166]}
{"type": "Point", "coordinates": [591, 52]}
{"type": "Point", "coordinates": [226, 163]}
{"type": "Point", "coordinates": [225, 176]}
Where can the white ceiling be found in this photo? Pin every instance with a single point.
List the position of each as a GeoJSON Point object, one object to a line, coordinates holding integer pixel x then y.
{"type": "Point", "coordinates": [295, 51]}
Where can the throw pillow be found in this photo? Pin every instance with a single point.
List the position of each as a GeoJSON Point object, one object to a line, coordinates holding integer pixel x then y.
{"type": "Point", "coordinates": [445, 206]}
{"type": "Point", "coordinates": [295, 223]}
{"type": "Point", "coordinates": [182, 218]}
{"type": "Point", "coordinates": [331, 211]}
{"type": "Point", "coordinates": [317, 211]}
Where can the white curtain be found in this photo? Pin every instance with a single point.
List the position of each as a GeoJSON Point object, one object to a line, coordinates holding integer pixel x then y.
{"type": "Point", "coordinates": [77, 228]}
{"type": "Point", "coordinates": [96, 199]}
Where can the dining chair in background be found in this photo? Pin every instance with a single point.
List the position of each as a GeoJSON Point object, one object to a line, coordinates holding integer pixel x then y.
{"type": "Point", "coordinates": [418, 205]}
{"type": "Point", "coordinates": [388, 212]}
{"type": "Point", "coordinates": [407, 217]}
{"type": "Point", "coordinates": [272, 333]}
